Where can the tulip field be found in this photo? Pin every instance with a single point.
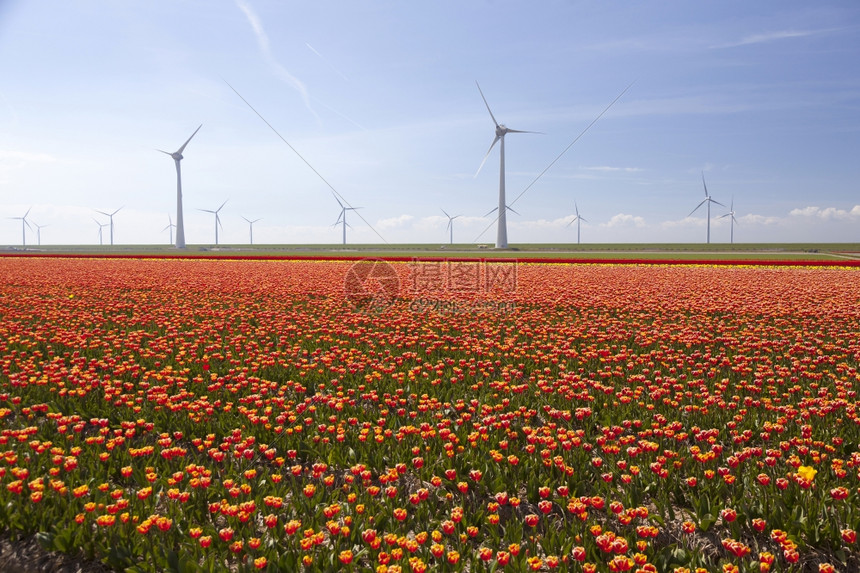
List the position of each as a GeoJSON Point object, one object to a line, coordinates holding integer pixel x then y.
{"type": "Point", "coordinates": [242, 415]}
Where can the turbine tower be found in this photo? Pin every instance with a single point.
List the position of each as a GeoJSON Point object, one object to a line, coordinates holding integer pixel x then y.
{"type": "Point", "coordinates": [578, 219]}
{"type": "Point", "coordinates": [707, 200]}
{"type": "Point", "coordinates": [101, 226]}
{"type": "Point", "coordinates": [170, 226]}
{"type": "Point", "coordinates": [450, 224]}
{"type": "Point", "coordinates": [341, 219]}
{"type": "Point", "coordinates": [251, 225]}
{"type": "Point", "coordinates": [24, 224]}
{"type": "Point", "coordinates": [501, 131]}
{"type": "Point", "coordinates": [731, 214]}
{"type": "Point", "coordinates": [217, 221]}
{"type": "Point", "coordinates": [110, 215]}
{"type": "Point", "coordinates": [180, 225]}
{"type": "Point", "coordinates": [39, 232]}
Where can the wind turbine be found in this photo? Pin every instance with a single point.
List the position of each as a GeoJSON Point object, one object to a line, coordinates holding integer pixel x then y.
{"type": "Point", "coordinates": [170, 226]}
{"type": "Point", "coordinates": [251, 225]}
{"type": "Point", "coordinates": [180, 225]}
{"type": "Point", "coordinates": [451, 224]}
{"type": "Point", "coordinates": [731, 214]}
{"type": "Point", "coordinates": [110, 215]}
{"type": "Point", "coordinates": [707, 200]}
{"type": "Point", "coordinates": [217, 221]}
{"type": "Point", "coordinates": [342, 217]}
{"type": "Point", "coordinates": [39, 232]}
{"type": "Point", "coordinates": [501, 131]}
{"type": "Point", "coordinates": [578, 219]}
{"type": "Point", "coordinates": [24, 225]}
{"type": "Point", "coordinates": [101, 226]}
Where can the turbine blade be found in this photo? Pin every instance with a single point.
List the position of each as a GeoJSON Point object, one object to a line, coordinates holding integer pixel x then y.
{"type": "Point", "coordinates": [493, 210]}
{"type": "Point", "coordinates": [486, 104]}
{"type": "Point", "coordinates": [486, 156]}
{"type": "Point", "coordinates": [206, 210]}
{"type": "Point", "coordinates": [117, 211]}
{"type": "Point", "coordinates": [705, 185]}
{"type": "Point", "coordinates": [181, 149]}
{"type": "Point", "coordinates": [511, 209]}
{"type": "Point", "coordinates": [446, 213]}
{"type": "Point", "coordinates": [697, 207]}
{"type": "Point", "coordinates": [222, 206]}
{"type": "Point", "coordinates": [521, 131]}
{"type": "Point", "coordinates": [715, 201]}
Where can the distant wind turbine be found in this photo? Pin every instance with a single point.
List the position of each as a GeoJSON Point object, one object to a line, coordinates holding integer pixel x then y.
{"type": "Point", "coordinates": [101, 226]}
{"type": "Point", "coordinates": [451, 224]}
{"type": "Point", "coordinates": [578, 220]}
{"type": "Point", "coordinates": [24, 225]}
{"type": "Point", "coordinates": [39, 232]}
{"type": "Point", "coordinates": [251, 225]}
{"type": "Point", "coordinates": [707, 200]}
{"type": "Point", "coordinates": [170, 226]}
{"type": "Point", "coordinates": [501, 131]}
{"type": "Point", "coordinates": [110, 215]}
{"type": "Point", "coordinates": [180, 225]}
{"type": "Point", "coordinates": [341, 219]}
{"type": "Point", "coordinates": [217, 220]}
{"type": "Point", "coordinates": [731, 214]}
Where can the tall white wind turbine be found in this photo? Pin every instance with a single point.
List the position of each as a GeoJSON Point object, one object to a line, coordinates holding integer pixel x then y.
{"type": "Point", "coordinates": [708, 199]}
{"type": "Point", "coordinates": [24, 224]}
{"type": "Point", "coordinates": [341, 219]}
{"type": "Point", "coordinates": [180, 224]}
{"type": "Point", "coordinates": [217, 220]}
{"type": "Point", "coordinates": [578, 219]}
{"type": "Point", "coordinates": [501, 131]}
{"type": "Point", "coordinates": [450, 224]}
{"type": "Point", "coordinates": [731, 214]}
{"type": "Point", "coordinates": [110, 215]}
{"type": "Point", "coordinates": [170, 226]}
{"type": "Point", "coordinates": [251, 225]}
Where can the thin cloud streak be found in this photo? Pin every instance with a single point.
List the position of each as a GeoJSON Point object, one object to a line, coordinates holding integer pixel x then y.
{"type": "Point", "coordinates": [323, 58]}
{"type": "Point", "coordinates": [767, 37]}
{"type": "Point", "coordinates": [263, 42]}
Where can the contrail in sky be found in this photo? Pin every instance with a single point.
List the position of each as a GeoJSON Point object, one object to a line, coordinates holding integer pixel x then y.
{"type": "Point", "coordinates": [263, 43]}
{"type": "Point", "coordinates": [323, 58]}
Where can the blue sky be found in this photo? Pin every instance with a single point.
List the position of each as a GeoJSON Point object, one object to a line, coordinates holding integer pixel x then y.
{"type": "Point", "coordinates": [380, 98]}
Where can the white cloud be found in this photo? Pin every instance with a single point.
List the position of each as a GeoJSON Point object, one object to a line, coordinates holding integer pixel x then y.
{"type": "Point", "coordinates": [752, 219]}
{"type": "Point", "coordinates": [18, 157]}
{"type": "Point", "coordinates": [394, 222]}
{"type": "Point", "coordinates": [826, 213]}
{"type": "Point", "coordinates": [624, 220]}
{"type": "Point", "coordinates": [609, 168]}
